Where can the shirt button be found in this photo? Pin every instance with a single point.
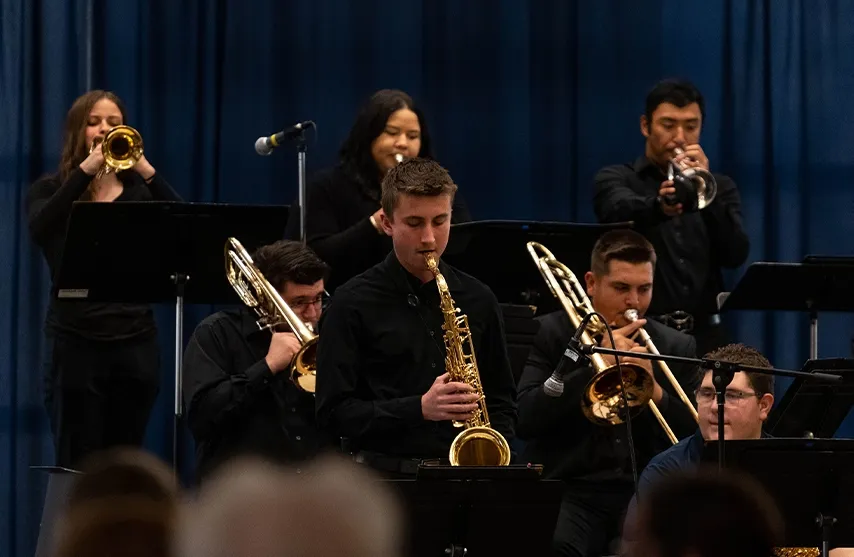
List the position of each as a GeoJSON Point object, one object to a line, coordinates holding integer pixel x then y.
{"type": "Point", "coordinates": [431, 334]}
{"type": "Point", "coordinates": [618, 441]}
{"type": "Point", "coordinates": [298, 438]}
{"type": "Point", "coordinates": [293, 409]}
{"type": "Point", "coordinates": [433, 364]}
{"type": "Point", "coordinates": [682, 261]}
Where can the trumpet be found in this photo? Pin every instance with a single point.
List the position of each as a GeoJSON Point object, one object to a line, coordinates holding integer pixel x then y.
{"type": "Point", "coordinates": [256, 292]}
{"type": "Point", "coordinates": [602, 401]}
{"type": "Point", "coordinates": [695, 187]}
{"type": "Point", "coordinates": [122, 148]}
{"type": "Point", "coordinates": [631, 316]}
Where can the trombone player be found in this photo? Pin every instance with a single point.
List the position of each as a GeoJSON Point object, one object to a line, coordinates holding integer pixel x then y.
{"type": "Point", "coordinates": [593, 459]}
{"type": "Point", "coordinates": [239, 396]}
{"type": "Point", "coordinates": [695, 235]}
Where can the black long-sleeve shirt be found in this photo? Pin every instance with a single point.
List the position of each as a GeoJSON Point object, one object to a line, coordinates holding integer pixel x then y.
{"type": "Point", "coordinates": [338, 226]}
{"type": "Point", "coordinates": [381, 347]}
{"type": "Point", "coordinates": [48, 210]}
{"type": "Point", "coordinates": [692, 247]}
{"type": "Point", "coordinates": [564, 441]}
{"type": "Point", "coordinates": [235, 404]}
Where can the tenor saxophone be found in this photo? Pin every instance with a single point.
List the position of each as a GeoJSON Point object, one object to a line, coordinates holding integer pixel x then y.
{"type": "Point", "coordinates": [477, 444]}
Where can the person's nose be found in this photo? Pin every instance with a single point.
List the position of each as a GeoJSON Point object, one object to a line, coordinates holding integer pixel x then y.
{"type": "Point", "coordinates": [632, 299]}
{"type": "Point", "coordinates": [401, 143]}
{"type": "Point", "coordinates": [428, 236]}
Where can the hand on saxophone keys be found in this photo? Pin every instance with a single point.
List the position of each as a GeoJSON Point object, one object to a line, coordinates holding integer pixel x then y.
{"type": "Point", "coordinates": [449, 400]}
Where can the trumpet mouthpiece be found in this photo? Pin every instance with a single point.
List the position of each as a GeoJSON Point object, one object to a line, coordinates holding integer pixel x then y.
{"type": "Point", "coordinates": [631, 315]}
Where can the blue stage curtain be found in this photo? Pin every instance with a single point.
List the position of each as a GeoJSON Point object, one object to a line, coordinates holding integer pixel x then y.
{"type": "Point", "coordinates": [526, 100]}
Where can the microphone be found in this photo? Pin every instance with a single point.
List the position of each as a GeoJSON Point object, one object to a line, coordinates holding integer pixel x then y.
{"type": "Point", "coordinates": [572, 359]}
{"type": "Point", "coordinates": [265, 145]}
{"type": "Point", "coordinates": [412, 300]}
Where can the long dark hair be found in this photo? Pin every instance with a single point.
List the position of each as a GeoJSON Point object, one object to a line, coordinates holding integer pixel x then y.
{"type": "Point", "coordinates": [74, 150]}
{"type": "Point", "coordinates": [355, 154]}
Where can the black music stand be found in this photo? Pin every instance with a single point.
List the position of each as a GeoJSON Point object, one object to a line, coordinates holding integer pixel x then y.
{"type": "Point", "coordinates": [817, 285]}
{"type": "Point", "coordinates": [811, 408]}
{"type": "Point", "coordinates": [495, 252]}
{"type": "Point", "coordinates": [157, 252]}
{"type": "Point", "coordinates": [812, 481]}
{"type": "Point", "coordinates": [469, 510]}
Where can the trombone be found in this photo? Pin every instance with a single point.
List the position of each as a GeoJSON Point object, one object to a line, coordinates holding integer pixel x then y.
{"type": "Point", "coordinates": [602, 401]}
{"type": "Point", "coordinates": [122, 148]}
{"type": "Point", "coordinates": [257, 293]}
{"type": "Point", "coordinates": [632, 316]}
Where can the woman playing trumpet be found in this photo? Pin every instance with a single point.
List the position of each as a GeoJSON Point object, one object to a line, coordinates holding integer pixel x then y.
{"type": "Point", "coordinates": [102, 360]}
{"type": "Point", "coordinates": [343, 213]}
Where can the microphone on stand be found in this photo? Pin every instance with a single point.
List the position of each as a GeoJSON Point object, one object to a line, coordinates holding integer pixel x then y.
{"type": "Point", "coordinates": [265, 145]}
{"type": "Point", "coordinates": [572, 359]}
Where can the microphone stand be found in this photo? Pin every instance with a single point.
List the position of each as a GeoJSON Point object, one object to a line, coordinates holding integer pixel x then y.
{"type": "Point", "coordinates": [301, 182]}
{"type": "Point", "coordinates": [722, 375]}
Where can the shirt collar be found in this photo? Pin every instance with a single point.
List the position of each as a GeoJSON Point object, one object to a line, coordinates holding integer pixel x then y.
{"type": "Point", "coordinates": [407, 282]}
{"type": "Point", "coordinates": [643, 165]}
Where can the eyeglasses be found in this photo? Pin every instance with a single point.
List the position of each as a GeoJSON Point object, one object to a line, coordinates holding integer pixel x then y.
{"type": "Point", "coordinates": [321, 300]}
{"type": "Point", "coordinates": [732, 397]}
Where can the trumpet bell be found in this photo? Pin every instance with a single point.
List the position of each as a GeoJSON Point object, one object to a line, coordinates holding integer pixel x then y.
{"type": "Point", "coordinates": [122, 147]}
{"type": "Point", "coordinates": [702, 187]}
{"type": "Point", "coordinates": [602, 402]}
{"type": "Point", "coordinates": [304, 367]}
{"type": "Point", "coordinates": [479, 446]}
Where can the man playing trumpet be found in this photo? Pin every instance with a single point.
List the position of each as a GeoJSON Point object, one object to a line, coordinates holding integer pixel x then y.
{"type": "Point", "coordinates": [238, 395]}
{"type": "Point", "coordinates": [594, 460]}
{"type": "Point", "coordinates": [692, 244]}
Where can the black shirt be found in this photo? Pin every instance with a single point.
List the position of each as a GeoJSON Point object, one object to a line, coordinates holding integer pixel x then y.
{"type": "Point", "coordinates": [381, 347]}
{"type": "Point", "coordinates": [571, 447]}
{"type": "Point", "coordinates": [338, 226]}
{"type": "Point", "coordinates": [692, 247]}
{"type": "Point", "coordinates": [235, 404]}
{"type": "Point", "coordinates": [48, 210]}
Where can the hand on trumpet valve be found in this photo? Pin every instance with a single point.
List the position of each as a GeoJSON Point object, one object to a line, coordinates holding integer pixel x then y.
{"type": "Point", "coordinates": [92, 164]}
{"type": "Point", "coordinates": [691, 156]}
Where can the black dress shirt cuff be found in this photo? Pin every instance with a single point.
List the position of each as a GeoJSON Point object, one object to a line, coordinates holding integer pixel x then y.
{"type": "Point", "coordinates": [258, 375]}
{"type": "Point", "coordinates": [411, 409]}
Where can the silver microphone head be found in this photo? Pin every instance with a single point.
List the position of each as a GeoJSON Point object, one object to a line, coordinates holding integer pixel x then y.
{"type": "Point", "coordinates": [553, 387]}
{"type": "Point", "coordinates": [631, 315]}
{"type": "Point", "coordinates": [262, 147]}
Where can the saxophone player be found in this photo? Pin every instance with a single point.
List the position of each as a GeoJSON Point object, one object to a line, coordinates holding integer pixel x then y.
{"type": "Point", "coordinates": [239, 399]}
{"type": "Point", "coordinates": [382, 386]}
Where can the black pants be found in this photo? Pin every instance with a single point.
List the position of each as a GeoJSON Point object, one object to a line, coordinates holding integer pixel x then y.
{"type": "Point", "coordinates": [590, 520]}
{"type": "Point", "coordinates": [98, 394]}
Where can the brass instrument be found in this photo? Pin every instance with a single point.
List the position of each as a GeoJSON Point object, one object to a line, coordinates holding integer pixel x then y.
{"type": "Point", "coordinates": [632, 316]}
{"type": "Point", "coordinates": [602, 402]}
{"type": "Point", "coordinates": [695, 187]}
{"type": "Point", "coordinates": [122, 148]}
{"type": "Point", "coordinates": [258, 294]}
{"type": "Point", "coordinates": [478, 444]}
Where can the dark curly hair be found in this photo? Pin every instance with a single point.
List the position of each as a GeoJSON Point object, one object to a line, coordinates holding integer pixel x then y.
{"type": "Point", "coordinates": [742, 354]}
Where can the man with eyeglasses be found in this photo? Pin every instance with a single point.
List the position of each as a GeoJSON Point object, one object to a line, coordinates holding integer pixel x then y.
{"type": "Point", "coordinates": [237, 389]}
{"type": "Point", "coordinates": [749, 398]}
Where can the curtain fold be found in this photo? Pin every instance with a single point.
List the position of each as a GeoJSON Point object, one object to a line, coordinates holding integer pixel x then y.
{"type": "Point", "coordinates": [526, 101]}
